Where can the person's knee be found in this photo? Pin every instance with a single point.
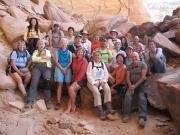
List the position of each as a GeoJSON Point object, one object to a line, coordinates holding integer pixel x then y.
{"type": "Point", "coordinates": [48, 84]}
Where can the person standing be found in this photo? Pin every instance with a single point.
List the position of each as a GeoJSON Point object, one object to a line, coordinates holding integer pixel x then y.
{"type": "Point", "coordinates": [32, 34]}
{"type": "Point", "coordinates": [63, 71]}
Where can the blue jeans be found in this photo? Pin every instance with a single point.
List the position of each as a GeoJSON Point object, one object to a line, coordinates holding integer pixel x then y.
{"type": "Point", "coordinates": [40, 69]}
{"type": "Point", "coordinates": [140, 91]}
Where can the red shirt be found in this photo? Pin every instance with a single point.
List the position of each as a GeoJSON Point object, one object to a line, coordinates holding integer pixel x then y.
{"type": "Point", "coordinates": [95, 46]}
{"type": "Point", "coordinates": [79, 68]}
{"type": "Point", "coordinates": [119, 72]}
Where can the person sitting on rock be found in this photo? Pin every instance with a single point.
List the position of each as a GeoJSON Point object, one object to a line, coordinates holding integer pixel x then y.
{"type": "Point", "coordinates": [79, 68]}
{"type": "Point", "coordinates": [129, 52]}
{"type": "Point", "coordinates": [95, 43]}
{"type": "Point", "coordinates": [20, 63]}
{"type": "Point", "coordinates": [86, 43]}
{"type": "Point", "coordinates": [41, 59]}
{"type": "Point", "coordinates": [106, 54]}
{"type": "Point", "coordinates": [97, 77]}
{"type": "Point", "coordinates": [124, 43]}
{"type": "Point", "coordinates": [63, 71]}
{"type": "Point", "coordinates": [157, 60]}
{"type": "Point", "coordinates": [115, 51]}
{"type": "Point", "coordinates": [32, 34]}
{"type": "Point", "coordinates": [70, 36]}
{"type": "Point", "coordinates": [138, 47]}
{"type": "Point", "coordinates": [112, 39]}
{"type": "Point", "coordinates": [136, 80]}
{"type": "Point", "coordinates": [117, 78]}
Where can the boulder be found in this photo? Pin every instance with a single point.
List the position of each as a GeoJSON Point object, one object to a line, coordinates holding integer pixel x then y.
{"type": "Point", "coordinates": [177, 37]}
{"type": "Point", "coordinates": [169, 89]}
{"type": "Point", "coordinates": [77, 26]}
{"type": "Point", "coordinates": [170, 34]}
{"type": "Point", "coordinates": [40, 105]}
{"type": "Point", "coordinates": [13, 31]}
{"type": "Point", "coordinates": [164, 42]}
{"type": "Point", "coordinates": [8, 82]}
{"type": "Point", "coordinates": [38, 8]}
{"type": "Point", "coordinates": [147, 28]}
{"type": "Point", "coordinates": [176, 12]}
{"type": "Point", "coordinates": [125, 27]}
{"type": "Point", "coordinates": [3, 13]}
{"type": "Point", "coordinates": [45, 25]}
{"type": "Point", "coordinates": [35, 1]}
{"type": "Point", "coordinates": [17, 13]}
{"type": "Point", "coordinates": [51, 12]}
{"type": "Point", "coordinates": [25, 126]}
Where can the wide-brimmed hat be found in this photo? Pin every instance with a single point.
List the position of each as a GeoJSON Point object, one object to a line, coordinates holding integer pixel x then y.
{"type": "Point", "coordinates": [84, 32]}
{"type": "Point", "coordinates": [114, 30]}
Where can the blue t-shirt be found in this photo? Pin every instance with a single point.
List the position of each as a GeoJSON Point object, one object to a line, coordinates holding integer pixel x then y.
{"type": "Point", "coordinates": [20, 58]}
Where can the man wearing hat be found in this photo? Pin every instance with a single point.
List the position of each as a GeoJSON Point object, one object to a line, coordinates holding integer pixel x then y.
{"type": "Point", "coordinates": [77, 43]}
{"type": "Point", "coordinates": [86, 43]}
{"type": "Point", "coordinates": [113, 38]}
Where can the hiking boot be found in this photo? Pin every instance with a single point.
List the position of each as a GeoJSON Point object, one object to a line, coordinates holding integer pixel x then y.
{"type": "Point", "coordinates": [125, 119]}
{"type": "Point", "coordinates": [29, 105]}
{"type": "Point", "coordinates": [58, 106]}
{"type": "Point", "coordinates": [102, 115]}
{"type": "Point", "coordinates": [142, 122]}
{"type": "Point", "coordinates": [48, 104]}
{"type": "Point", "coordinates": [109, 108]}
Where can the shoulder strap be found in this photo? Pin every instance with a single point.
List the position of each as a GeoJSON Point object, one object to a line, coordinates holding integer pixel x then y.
{"type": "Point", "coordinates": [102, 65]}
{"type": "Point", "coordinates": [92, 64]}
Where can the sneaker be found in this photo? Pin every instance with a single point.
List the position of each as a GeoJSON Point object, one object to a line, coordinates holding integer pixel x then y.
{"type": "Point", "coordinates": [142, 122]}
{"type": "Point", "coordinates": [29, 105]}
{"type": "Point", "coordinates": [48, 104]}
{"type": "Point", "coordinates": [125, 119]}
{"type": "Point", "coordinates": [102, 115]}
{"type": "Point", "coordinates": [58, 106]}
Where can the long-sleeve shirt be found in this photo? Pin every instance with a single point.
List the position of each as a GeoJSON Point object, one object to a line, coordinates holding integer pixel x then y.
{"type": "Point", "coordinates": [96, 73]}
{"type": "Point", "coordinates": [79, 68]}
{"type": "Point", "coordinates": [37, 58]}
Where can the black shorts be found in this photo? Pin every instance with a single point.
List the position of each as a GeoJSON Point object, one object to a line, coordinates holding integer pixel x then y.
{"type": "Point", "coordinates": [82, 83]}
{"type": "Point", "coordinates": [121, 89]}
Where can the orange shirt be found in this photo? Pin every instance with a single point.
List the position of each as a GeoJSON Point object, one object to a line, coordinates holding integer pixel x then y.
{"type": "Point", "coordinates": [120, 74]}
{"type": "Point", "coordinates": [95, 46]}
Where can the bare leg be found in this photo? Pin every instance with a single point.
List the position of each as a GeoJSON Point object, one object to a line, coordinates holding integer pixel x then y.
{"type": "Point", "coordinates": [19, 82]}
{"type": "Point", "coordinates": [59, 91]}
{"type": "Point", "coordinates": [27, 80]}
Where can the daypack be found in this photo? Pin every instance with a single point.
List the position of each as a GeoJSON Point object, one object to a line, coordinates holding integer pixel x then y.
{"type": "Point", "coordinates": [102, 65]}
{"type": "Point", "coordinates": [8, 68]}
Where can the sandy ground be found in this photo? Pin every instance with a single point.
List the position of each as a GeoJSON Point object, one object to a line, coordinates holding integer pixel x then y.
{"type": "Point", "coordinates": [83, 122]}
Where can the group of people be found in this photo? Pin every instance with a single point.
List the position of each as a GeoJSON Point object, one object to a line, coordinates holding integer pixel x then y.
{"type": "Point", "coordinates": [105, 64]}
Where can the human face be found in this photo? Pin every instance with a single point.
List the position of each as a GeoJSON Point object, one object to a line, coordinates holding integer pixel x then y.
{"type": "Point", "coordinates": [117, 46]}
{"type": "Point", "coordinates": [33, 22]}
{"type": "Point", "coordinates": [113, 34]}
{"type": "Point", "coordinates": [136, 39]}
{"type": "Point", "coordinates": [96, 38]}
{"type": "Point", "coordinates": [135, 58]}
{"type": "Point", "coordinates": [129, 52]}
{"type": "Point", "coordinates": [103, 44]}
{"type": "Point", "coordinates": [63, 44]}
{"type": "Point", "coordinates": [40, 45]}
{"type": "Point", "coordinates": [97, 57]}
{"type": "Point", "coordinates": [80, 53]}
{"type": "Point", "coordinates": [78, 40]}
{"type": "Point", "coordinates": [56, 28]}
{"type": "Point", "coordinates": [152, 46]}
{"type": "Point", "coordinates": [21, 46]}
{"type": "Point", "coordinates": [119, 60]}
{"type": "Point", "coordinates": [70, 32]}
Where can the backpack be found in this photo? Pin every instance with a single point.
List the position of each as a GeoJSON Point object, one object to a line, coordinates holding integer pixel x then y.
{"type": "Point", "coordinates": [8, 68]}
{"type": "Point", "coordinates": [102, 65]}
